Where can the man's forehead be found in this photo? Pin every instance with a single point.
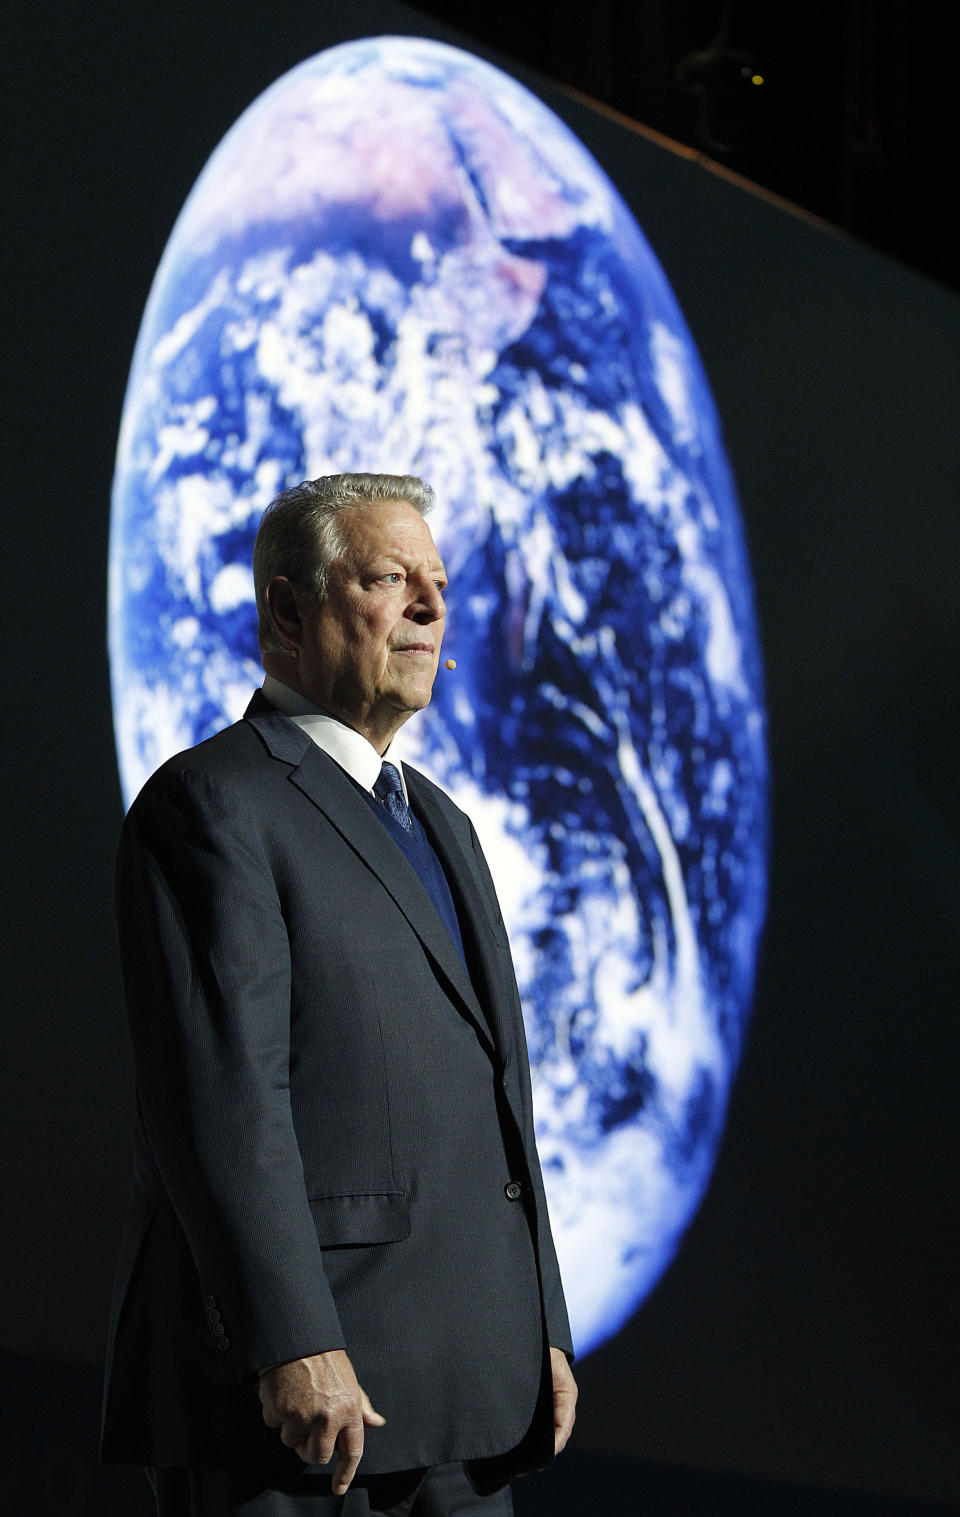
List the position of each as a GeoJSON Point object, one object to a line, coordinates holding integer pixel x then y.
{"type": "Point", "coordinates": [384, 527]}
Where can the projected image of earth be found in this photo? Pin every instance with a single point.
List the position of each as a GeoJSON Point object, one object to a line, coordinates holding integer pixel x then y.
{"type": "Point", "coordinates": [399, 259]}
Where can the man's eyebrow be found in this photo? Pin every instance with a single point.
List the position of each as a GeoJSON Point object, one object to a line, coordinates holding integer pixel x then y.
{"type": "Point", "coordinates": [380, 559]}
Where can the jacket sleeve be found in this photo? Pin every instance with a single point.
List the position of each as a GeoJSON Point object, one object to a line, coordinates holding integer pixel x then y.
{"type": "Point", "coordinates": [206, 967]}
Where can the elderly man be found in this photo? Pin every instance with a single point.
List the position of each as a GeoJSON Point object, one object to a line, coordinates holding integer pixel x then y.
{"type": "Point", "coordinates": [338, 1245]}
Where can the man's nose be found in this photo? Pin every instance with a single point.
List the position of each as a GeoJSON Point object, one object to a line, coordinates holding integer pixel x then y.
{"type": "Point", "coordinates": [429, 605]}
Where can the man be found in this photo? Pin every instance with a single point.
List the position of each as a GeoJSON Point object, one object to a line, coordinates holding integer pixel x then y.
{"type": "Point", "coordinates": [338, 1243]}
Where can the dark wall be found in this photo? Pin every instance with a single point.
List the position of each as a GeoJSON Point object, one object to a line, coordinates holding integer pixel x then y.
{"type": "Point", "coordinates": [808, 1330]}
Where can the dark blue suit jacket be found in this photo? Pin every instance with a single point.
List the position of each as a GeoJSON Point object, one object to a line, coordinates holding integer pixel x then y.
{"type": "Point", "coordinates": [334, 1117]}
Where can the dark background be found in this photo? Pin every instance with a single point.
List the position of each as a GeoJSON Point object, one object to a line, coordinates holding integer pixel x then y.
{"type": "Point", "coordinates": [805, 1341]}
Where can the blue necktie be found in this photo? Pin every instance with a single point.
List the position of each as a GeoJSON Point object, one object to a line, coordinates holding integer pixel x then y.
{"type": "Point", "coordinates": [389, 790]}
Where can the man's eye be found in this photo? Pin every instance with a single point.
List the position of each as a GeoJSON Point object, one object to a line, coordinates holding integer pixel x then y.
{"type": "Point", "coordinates": [391, 579]}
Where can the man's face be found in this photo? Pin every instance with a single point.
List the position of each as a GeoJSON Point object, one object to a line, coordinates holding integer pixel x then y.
{"type": "Point", "coordinates": [369, 651]}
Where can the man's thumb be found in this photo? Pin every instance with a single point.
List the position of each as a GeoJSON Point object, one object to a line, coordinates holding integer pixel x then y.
{"type": "Point", "coordinates": [370, 1417]}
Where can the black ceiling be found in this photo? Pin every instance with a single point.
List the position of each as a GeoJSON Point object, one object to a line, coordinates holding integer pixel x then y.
{"type": "Point", "coordinates": [854, 119]}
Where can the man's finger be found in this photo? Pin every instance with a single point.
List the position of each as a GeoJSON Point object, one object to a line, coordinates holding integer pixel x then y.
{"type": "Point", "coordinates": [292, 1431]}
{"type": "Point", "coordinates": [349, 1454]}
{"type": "Point", "coordinates": [564, 1416]}
{"type": "Point", "coordinates": [318, 1446]}
{"type": "Point", "coordinates": [564, 1399]}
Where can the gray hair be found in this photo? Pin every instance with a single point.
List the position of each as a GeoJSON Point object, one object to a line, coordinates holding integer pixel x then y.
{"type": "Point", "coordinates": [300, 534]}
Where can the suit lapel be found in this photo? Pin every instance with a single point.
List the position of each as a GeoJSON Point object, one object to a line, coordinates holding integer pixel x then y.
{"type": "Point", "coordinates": [324, 783]}
{"type": "Point", "coordinates": [462, 875]}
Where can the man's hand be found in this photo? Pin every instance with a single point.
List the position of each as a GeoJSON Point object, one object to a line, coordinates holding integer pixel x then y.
{"type": "Point", "coordinates": [564, 1399]}
{"type": "Point", "coordinates": [319, 1407]}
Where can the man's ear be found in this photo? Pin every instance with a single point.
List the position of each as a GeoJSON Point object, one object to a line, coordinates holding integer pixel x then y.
{"type": "Point", "coordinates": [281, 598]}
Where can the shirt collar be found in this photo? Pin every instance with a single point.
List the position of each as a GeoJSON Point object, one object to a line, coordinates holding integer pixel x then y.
{"type": "Point", "coordinates": [347, 747]}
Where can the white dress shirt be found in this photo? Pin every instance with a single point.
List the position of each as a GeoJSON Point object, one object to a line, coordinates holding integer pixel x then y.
{"type": "Point", "coordinates": [347, 747]}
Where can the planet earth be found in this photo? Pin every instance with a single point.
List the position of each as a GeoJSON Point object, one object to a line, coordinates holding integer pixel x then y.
{"type": "Point", "coordinates": [400, 259]}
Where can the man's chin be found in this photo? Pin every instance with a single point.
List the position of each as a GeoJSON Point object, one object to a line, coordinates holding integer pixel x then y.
{"type": "Point", "coordinates": [398, 706]}
{"type": "Point", "coordinates": [411, 704]}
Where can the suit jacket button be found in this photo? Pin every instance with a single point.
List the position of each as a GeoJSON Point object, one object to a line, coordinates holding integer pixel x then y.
{"type": "Point", "coordinates": [219, 1330]}
{"type": "Point", "coordinates": [213, 1314]}
{"type": "Point", "coordinates": [513, 1191]}
{"type": "Point", "coordinates": [209, 1300]}
{"type": "Point", "coordinates": [223, 1343]}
